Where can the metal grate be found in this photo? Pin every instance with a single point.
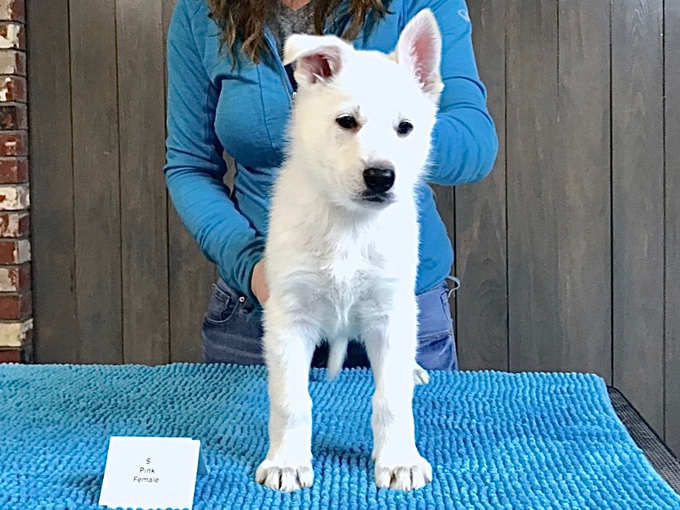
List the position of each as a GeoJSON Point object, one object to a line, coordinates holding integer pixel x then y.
{"type": "Point", "coordinates": [660, 456]}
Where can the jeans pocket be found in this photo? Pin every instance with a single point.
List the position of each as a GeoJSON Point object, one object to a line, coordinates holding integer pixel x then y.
{"type": "Point", "coordinates": [222, 306]}
{"type": "Point", "coordinates": [436, 342]}
{"type": "Point", "coordinates": [437, 352]}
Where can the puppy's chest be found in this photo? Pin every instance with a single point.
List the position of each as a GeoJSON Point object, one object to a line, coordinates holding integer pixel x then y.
{"type": "Point", "coordinates": [350, 266]}
{"type": "Point", "coordinates": [349, 277]}
{"type": "Point", "coordinates": [348, 272]}
{"type": "Point", "coordinates": [343, 271]}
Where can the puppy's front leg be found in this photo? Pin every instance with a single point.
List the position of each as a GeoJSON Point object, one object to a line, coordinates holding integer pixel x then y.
{"type": "Point", "coordinates": [289, 346]}
{"type": "Point", "coordinates": [391, 349]}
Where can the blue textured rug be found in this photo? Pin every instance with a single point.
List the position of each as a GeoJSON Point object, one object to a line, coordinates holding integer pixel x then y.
{"type": "Point", "coordinates": [495, 440]}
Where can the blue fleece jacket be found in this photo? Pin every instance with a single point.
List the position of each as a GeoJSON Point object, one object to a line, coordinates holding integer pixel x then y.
{"type": "Point", "coordinates": [213, 107]}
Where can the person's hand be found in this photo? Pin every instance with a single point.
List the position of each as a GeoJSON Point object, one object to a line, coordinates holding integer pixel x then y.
{"type": "Point", "coordinates": [258, 285]}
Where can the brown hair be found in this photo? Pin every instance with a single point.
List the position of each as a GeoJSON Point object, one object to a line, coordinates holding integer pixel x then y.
{"type": "Point", "coordinates": [243, 21]}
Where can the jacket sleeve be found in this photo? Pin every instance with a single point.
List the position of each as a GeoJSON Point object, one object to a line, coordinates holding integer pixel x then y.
{"type": "Point", "coordinates": [194, 166]}
{"type": "Point", "coordinates": [464, 140]}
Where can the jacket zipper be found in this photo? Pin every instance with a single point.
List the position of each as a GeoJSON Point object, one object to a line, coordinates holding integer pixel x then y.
{"type": "Point", "coordinates": [282, 71]}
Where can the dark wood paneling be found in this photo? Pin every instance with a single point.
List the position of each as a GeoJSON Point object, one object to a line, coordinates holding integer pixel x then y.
{"type": "Point", "coordinates": [167, 8]}
{"type": "Point", "coordinates": [481, 258]}
{"type": "Point", "coordinates": [446, 205]}
{"type": "Point", "coordinates": [560, 249]}
{"type": "Point", "coordinates": [672, 130]}
{"type": "Point", "coordinates": [558, 187]}
{"type": "Point", "coordinates": [143, 198]}
{"type": "Point", "coordinates": [191, 280]}
{"type": "Point", "coordinates": [52, 214]}
{"type": "Point", "coordinates": [535, 334]}
{"type": "Point", "coordinates": [96, 180]}
{"type": "Point", "coordinates": [637, 204]}
{"type": "Point", "coordinates": [190, 277]}
{"type": "Point", "coordinates": [580, 177]}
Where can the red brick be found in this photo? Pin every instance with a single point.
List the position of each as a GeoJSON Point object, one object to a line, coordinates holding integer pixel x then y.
{"type": "Point", "coordinates": [13, 88]}
{"type": "Point", "coordinates": [16, 334]}
{"type": "Point", "coordinates": [13, 117]}
{"type": "Point", "coordinates": [10, 355]}
{"type": "Point", "coordinates": [12, 10]}
{"type": "Point", "coordinates": [15, 278]}
{"type": "Point", "coordinates": [14, 251]}
{"type": "Point", "coordinates": [15, 224]}
{"type": "Point", "coordinates": [12, 36]}
{"type": "Point", "coordinates": [15, 306]}
{"type": "Point", "coordinates": [13, 170]}
{"type": "Point", "coordinates": [13, 143]}
{"type": "Point", "coordinates": [14, 197]}
{"type": "Point", "coordinates": [13, 62]}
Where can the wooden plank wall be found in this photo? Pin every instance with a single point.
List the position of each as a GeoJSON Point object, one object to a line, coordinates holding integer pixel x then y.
{"type": "Point", "coordinates": [638, 203]}
{"type": "Point", "coordinates": [144, 236]}
{"type": "Point", "coordinates": [51, 166]}
{"type": "Point", "coordinates": [96, 181]}
{"type": "Point", "coordinates": [569, 252]}
{"type": "Point", "coordinates": [481, 216]}
{"type": "Point", "coordinates": [672, 225]}
{"type": "Point", "coordinates": [191, 275]}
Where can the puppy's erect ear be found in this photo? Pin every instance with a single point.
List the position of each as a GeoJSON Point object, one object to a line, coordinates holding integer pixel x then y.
{"type": "Point", "coordinates": [316, 57]}
{"type": "Point", "coordinates": [420, 50]}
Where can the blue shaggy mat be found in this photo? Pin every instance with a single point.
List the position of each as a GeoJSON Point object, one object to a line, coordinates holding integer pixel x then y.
{"type": "Point", "coordinates": [495, 440]}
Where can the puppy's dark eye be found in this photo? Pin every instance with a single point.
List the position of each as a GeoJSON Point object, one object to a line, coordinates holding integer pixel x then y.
{"type": "Point", "coordinates": [404, 128]}
{"type": "Point", "coordinates": [346, 122]}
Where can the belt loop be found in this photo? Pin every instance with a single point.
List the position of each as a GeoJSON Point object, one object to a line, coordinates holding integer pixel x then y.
{"type": "Point", "coordinates": [456, 285]}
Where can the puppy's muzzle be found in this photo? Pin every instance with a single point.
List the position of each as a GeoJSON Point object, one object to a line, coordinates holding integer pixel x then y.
{"type": "Point", "coordinates": [379, 181]}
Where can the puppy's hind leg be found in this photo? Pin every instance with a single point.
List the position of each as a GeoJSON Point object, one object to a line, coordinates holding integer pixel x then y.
{"type": "Point", "coordinates": [336, 357]}
{"type": "Point", "coordinates": [420, 375]}
{"type": "Point", "coordinates": [391, 351]}
{"type": "Point", "coordinates": [289, 346]}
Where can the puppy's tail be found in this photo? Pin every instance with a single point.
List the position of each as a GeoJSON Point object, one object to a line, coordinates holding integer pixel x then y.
{"type": "Point", "coordinates": [337, 352]}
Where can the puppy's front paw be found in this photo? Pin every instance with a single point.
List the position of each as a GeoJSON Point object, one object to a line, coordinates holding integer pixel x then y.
{"type": "Point", "coordinates": [408, 473]}
{"type": "Point", "coordinates": [420, 375]}
{"type": "Point", "coordinates": [284, 476]}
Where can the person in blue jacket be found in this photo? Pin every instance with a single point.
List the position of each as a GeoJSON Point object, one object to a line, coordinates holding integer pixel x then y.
{"type": "Point", "coordinates": [228, 91]}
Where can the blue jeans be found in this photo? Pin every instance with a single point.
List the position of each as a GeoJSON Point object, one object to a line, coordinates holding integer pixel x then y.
{"type": "Point", "coordinates": [232, 332]}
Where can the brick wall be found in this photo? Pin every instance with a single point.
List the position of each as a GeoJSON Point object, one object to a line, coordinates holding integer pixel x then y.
{"type": "Point", "coordinates": [16, 322]}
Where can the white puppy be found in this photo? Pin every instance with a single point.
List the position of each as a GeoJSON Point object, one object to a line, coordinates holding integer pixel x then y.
{"type": "Point", "coordinates": [342, 247]}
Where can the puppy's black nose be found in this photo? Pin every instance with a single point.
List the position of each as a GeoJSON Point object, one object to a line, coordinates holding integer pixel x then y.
{"type": "Point", "coordinates": [379, 180]}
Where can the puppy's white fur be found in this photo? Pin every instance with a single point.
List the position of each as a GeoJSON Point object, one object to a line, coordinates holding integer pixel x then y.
{"type": "Point", "coordinates": [339, 266]}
